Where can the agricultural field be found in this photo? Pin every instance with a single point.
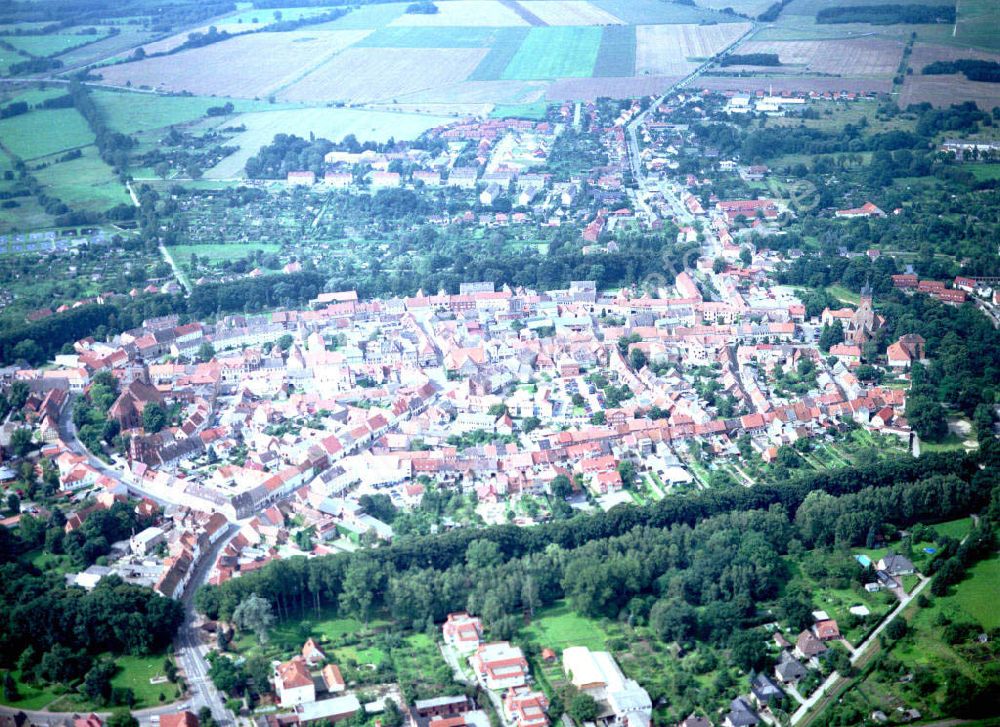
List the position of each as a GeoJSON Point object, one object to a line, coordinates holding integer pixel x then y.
{"type": "Point", "coordinates": [133, 113]}
{"type": "Point", "coordinates": [555, 53]}
{"type": "Point", "coordinates": [508, 42]}
{"type": "Point", "coordinates": [86, 183]}
{"type": "Point", "coordinates": [977, 23]}
{"type": "Point", "coordinates": [648, 12]}
{"type": "Point", "coordinates": [861, 57]}
{"type": "Point", "coordinates": [673, 50]}
{"type": "Point", "coordinates": [49, 45]}
{"type": "Point", "coordinates": [750, 8]}
{"type": "Point", "coordinates": [405, 36]}
{"type": "Point", "coordinates": [945, 90]}
{"type": "Point", "coordinates": [248, 66]}
{"type": "Point", "coordinates": [616, 56]}
{"type": "Point", "coordinates": [590, 89]}
{"type": "Point", "coordinates": [328, 123]}
{"type": "Point", "coordinates": [360, 75]}
{"type": "Point", "coordinates": [365, 17]}
{"type": "Point", "coordinates": [38, 134]}
{"type": "Point", "coordinates": [570, 12]}
{"type": "Point", "coordinates": [465, 14]}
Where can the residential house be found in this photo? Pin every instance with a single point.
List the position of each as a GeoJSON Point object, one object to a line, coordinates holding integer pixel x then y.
{"type": "Point", "coordinates": [293, 683]}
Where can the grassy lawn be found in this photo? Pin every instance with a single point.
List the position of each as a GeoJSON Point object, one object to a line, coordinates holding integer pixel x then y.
{"type": "Point", "coordinates": [950, 443]}
{"type": "Point", "coordinates": [47, 562]}
{"type": "Point", "coordinates": [558, 627]}
{"type": "Point", "coordinates": [843, 294]}
{"type": "Point", "coordinates": [34, 697]}
{"type": "Point", "coordinates": [535, 111]}
{"type": "Point", "coordinates": [135, 673]}
{"type": "Point", "coordinates": [976, 595]}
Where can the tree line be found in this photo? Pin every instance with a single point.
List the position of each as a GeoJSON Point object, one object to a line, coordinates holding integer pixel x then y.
{"type": "Point", "coordinates": [363, 581]}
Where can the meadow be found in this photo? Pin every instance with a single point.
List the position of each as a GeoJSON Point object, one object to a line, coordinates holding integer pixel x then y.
{"type": "Point", "coordinates": [49, 45]}
{"type": "Point", "coordinates": [38, 134]}
{"type": "Point", "coordinates": [132, 113]}
{"type": "Point", "coordinates": [86, 184]}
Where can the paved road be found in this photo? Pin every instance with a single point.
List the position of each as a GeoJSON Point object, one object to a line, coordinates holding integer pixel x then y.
{"type": "Point", "coordinates": [190, 652]}
{"type": "Point", "coordinates": [834, 679]}
{"type": "Point", "coordinates": [67, 432]}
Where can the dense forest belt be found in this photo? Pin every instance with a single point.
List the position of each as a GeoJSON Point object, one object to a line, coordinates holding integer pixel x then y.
{"type": "Point", "coordinates": [932, 487]}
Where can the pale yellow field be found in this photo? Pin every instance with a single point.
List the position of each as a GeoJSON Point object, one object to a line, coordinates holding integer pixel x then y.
{"type": "Point", "coordinates": [854, 57]}
{"type": "Point", "coordinates": [464, 13]}
{"type": "Point", "coordinates": [248, 66]}
{"type": "Point", "coordinates": [570, 12]}
{"type": "Point", "coordinates": [383, 74]}
{"type": "Point", "coordinates": [674, 50]}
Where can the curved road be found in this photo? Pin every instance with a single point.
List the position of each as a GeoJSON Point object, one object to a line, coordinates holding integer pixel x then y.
{"type": "Point", "coordinates": [189, 651]}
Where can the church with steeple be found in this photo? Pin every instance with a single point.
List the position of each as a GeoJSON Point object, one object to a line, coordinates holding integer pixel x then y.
{"type": "Point", "coordinates": [860, 325]}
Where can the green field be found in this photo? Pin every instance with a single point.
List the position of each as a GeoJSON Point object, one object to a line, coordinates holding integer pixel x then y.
{"type": "Point", "coordinates": [132, 113]}
{"type": "Point", "coordinates": [536, 111]}
{"type": "Point", "coordinates": [551, 52]}
{"type": "Point", "coordinates": [506, 46]}
{"type": "Point", "coordinates": [86, 183]}
{"type": "Point", "coordinates": [34, 96]}
{"type": "Point", "coordinates": [843, 294]}
{"type": "Point", "coordinates": [651, 12]}
{"type": "Point", "coordinates": [41, 133]}
{"type": "Point", "coordinates": [977, 23]}
{"type": "Point", "coordinates": [135, 673]}
{"type": "Point", "coordinates": [366, 17]}
{"type": "Point", "coordinates": [558, 627]}
{"type": "Point", "coordinates": [976, 596]}
{"type": "Point", "coordinates": [616, 56]}
{"type": "Point", "coordinates": [403, 36]}
{"type": "Point", "coordinates": [983, 172]}
{"type": "Point", "coordinates": [49, 45]}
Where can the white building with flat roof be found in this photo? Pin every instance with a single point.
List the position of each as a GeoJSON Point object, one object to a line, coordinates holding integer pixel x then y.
{"type": "Point", "coordinates": [624, 703]}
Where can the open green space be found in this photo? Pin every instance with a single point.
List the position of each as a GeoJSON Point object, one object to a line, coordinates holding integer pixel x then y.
{"type": "Point", "coordinates": [535, 111]}
{"type": "Point", "coordinates": [135, 673]}
{"type": "Point", "coordinates": [976, 596]}
{"type": "Point", "coordinates": [86, 183]}
{"type": "Point", "coordinates": [950, 443]}
{"type": "Point", "coordinates": [555, 52]}
{"type": "Point", "coordinates": [41, 133]}
{"type": "Point", "coordinates": [48, 45]}
{"type": "Point", "coordinates": [977, 23]}
{"type": "Point", "coordinates": [983, 172]}
{"type": "Point", "coordinates": [558, 627]}
{"type": "Point", "coordinates": [130, 112]}
{"type": "Point", "coordinates": [33, 96]}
